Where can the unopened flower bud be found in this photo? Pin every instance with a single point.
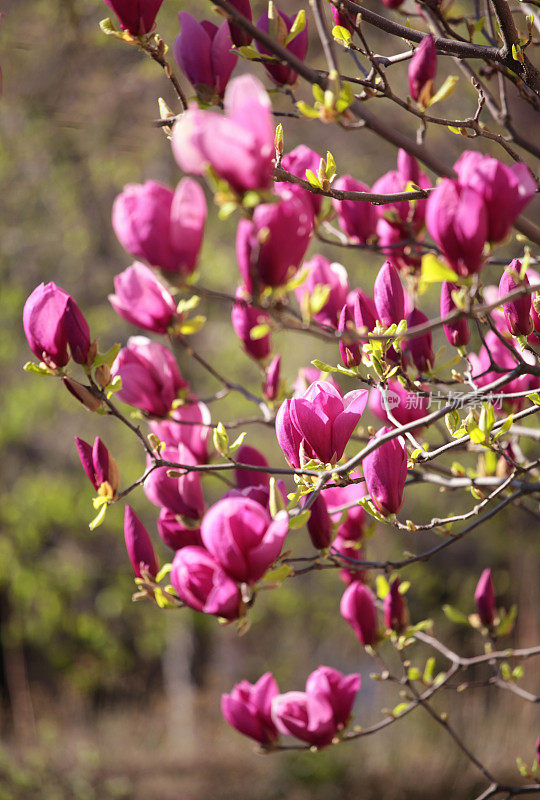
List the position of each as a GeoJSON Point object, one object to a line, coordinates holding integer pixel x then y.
{"type": "Point", "coordinates": [140, 550]}
{"type": "Point", "coordinates": [516, 312]}
{"type": "Point", "coordinates": [385, 471]}
{"type": "Point", "coordinates": [349, 351]}
{"type": "Point", "coordinates": [422, 70]}
{"type": "Point", "coordinates": [319, 525]}
{"type": "Point", "coordinates": [396, 617]}
{"type": "Point", "coordinates": [358, 609]}
{"type": "Point", "coordinates": [457, 332]}
{"type": "Point", "coordinates": [484, 598]}
{"type": "Point", "coordinates": [389, 295]}
{"type": "Point", "coordinates": [82, 393]}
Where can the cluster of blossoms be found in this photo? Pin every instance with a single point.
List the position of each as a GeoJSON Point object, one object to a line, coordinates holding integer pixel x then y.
{"type": "Point", "coordinates": [222, 553]}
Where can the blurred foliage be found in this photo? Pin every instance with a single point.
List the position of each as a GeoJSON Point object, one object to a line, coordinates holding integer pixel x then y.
{"type": "Point", "coordinates": [76, 126]}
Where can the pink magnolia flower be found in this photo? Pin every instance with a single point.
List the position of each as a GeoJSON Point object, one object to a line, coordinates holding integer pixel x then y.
{"type": "Point", "coordinates": [319, 524]}
{"type": "Point", "coordinates": [456, 332]}
{"type": "Point", "coordinates": [405, 406]}
{"type": "Point", "coordinates": [351, 529]}
{"type": "Point", "coordinates": [422, 70]}
{"type": "Point", "coordinates": [143, 300]}
{"type": "Point", "coordinates": [150, 376]}
{"type": "Point", "coordinates": [239, 145]}
{"type": "Point", "coordinates": [501, 356]}
{"type": "Point", "coordinates": [98, 464]}
{"type": "Point", "coordinates": [183, 496]}
{"type": "Point", "coordinates": [320, 272]}
{"type": "Point", "coordinates": [307, 716]}
{"type": "Point", "coordinates": [240, 37]}
{"type": "Point", "coordinates": [342, 19]}
{"type": "Point", "coordinates": [389, 295]}
{"type": "Point", "coordinates": [350, 552]}
{"type": "Point", "coordinates": [203, 52]}
{"type": "Point", "coordinates": [162, 227]}
{"type": "Point", "coordinates": [245, 318]}
{"type": "Point", "coordinates": [321, 421]}
{"type": "Point", "coordinates": [188, 424]}
{"type": "Point", "coordinates": [282, 74]}
{"type": "Point", "coordinates": [138, 16]}
{"type": "Point", "coordinates": [359, 610]}
{"type": "Point", "coordinates": [396, 616]}
{"type": "Point", "coordinates": [517, 312]}
{"type": "Point", "coordinates": [420, 348]}
{"type": "Point", "coordinates": [272, 380]}
{"type": "Point", "coordinates": [201, 584]}
{"type": "Point", "coordinates": [484, 598]}
{"type": "Point", "coordinates": [505, 190]}
{"type": "Point", "coordinates": [457, 220]}
{"type": "Point", "coordinates": [139, 547]}
{"type": "Point", "coordinates": [243, 537]}
{"type": "Point", "coordinates": [401, 214]}
{"type": "Point", "coordinates": [245, 477]}
{"type": "Point", "coordinates": [385, 471]}
{"type": "Point", "coordinates": [356, 218]}
{"type": "Point", "coordinates": [248, 708]}
{"type": "Point", "coordinates": [52, 322]}
{"type": "Point", "coordinates": [271, 245]}
{"type": "Point", "coordinates": [297, 162]}
{"type": "Point", "coordinates": [349, 351]}
{"type": "Point", "coordinates": [340, 690]}
{"type": "Point", "coordinates": [363, 308]}
{"type": "Point", "coordinates": [173, 531]}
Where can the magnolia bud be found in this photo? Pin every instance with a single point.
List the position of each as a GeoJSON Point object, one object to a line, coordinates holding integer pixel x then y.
{"type": "Point", "coordinates": [484, 597]}
{"type": "Point", "coordinates": [517, 313]}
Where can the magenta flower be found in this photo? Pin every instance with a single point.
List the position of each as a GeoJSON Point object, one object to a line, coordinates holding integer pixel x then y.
{"type": "Point", "coordinates": [239, 145]}
{"type": "Point", "coordinates": [340, 690]}
{"type": "Point", "coordinates": [271, 246]}
{"type": "Point", "coordinates": [457, 220]}
{"type": "Point", "coordinates": [350, 553]}
{"type": "Point", "coordinates": [244, 319]}
{"type": "Point", "coordinates": [297, 162]}
{"type": "Point", "coordinates": [307, 716]}
{"type": "Point", "coordinates": [385, 471]}
{"type": "Point", "coordinates": [336, 497]}
{"type": "Point", "coordinates": [420, 348]}
{"type": "Point", "coordinates": [359, 610]}
{"type": "Point", "coordinates": [456, 332]}
{"type": "Point", "coordinates": [321, 421]}
{"type": "Point", "coordinates": [174, 533]}
{"type": "Point", "coordinates": [136, 16]}
{"type": "Point", "coordinates": [484, 598]}
{"type": "Point", "coordinates": [52, 322]}
{"type": "Point", "coordinates": [182, 495]}
{"type": "Point", "coordinates": [349, 351]}
{"type": "Point", "coordinates": [495, 350]}
{"type": "Point", "coordinates": [364, 309]}
{"type": "Point", "coordinates": [517, 312]}
{"type": "Point", "coordinates": [240, 37]}
{"type": "Point", "coordinates": [98, 464]}
{"type": "Point", "coordinates": [203, 52]}
{"type": "Point", "coordinates": [190, 425]}
{"type": "Point", "coordinates": [392, 3]}
{"type": "Point", "coordinates": [272, 380]}
{"type": "Point", "coordinates": [320, 272]}
{"type": "Point", "coordinates": [400, 214]}
{"type": "Point", "coordinates": [395, 609]}
{"type": "Point", "coordinates": [505, 190]}
{"type": "Point", "coordinates": [201, 584]}
{"type": "Point", "coordinates": [245, 477]}
{"type": "Point", "coordinates": [319, 524]}
{"type": "Point", "coordinates": [422, 70]}
{"type": "Point", "coordinates": [389, 295]}
{"type": "Point", "coordinates": [150, 376]}
{"type": "Point", "coordinates": [405, 406]}
{"type": "Point", "coordinates": [282, 74]}
{"type": "Point", "coordinates": [143, 300]}
{"type": "Point", "coordinates": [138, 544]}
{"type": "Point", "coordinates": [342, 19]}
{"type": "Point", "coordinates": [162, 227]}
{"type": "Point", "coordinates": [248, 708]}
{"type": "Point", "coordinates": [243, 537]}
{"type": "Point", "coordinates": [356, 218]}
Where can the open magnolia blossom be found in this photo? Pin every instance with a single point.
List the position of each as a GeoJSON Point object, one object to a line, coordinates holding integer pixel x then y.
{"type": "Point", "coordinates": [461, 385]}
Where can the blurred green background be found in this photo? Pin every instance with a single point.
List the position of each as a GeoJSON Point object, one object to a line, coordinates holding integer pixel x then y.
{"type": "Point", "coordinates": [103, 698]}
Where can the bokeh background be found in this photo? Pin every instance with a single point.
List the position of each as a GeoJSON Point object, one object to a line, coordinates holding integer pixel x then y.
{"type": "Point", "coordinates": [103, 698]}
